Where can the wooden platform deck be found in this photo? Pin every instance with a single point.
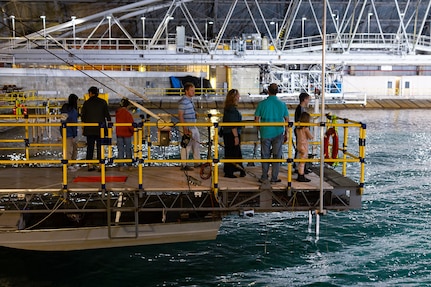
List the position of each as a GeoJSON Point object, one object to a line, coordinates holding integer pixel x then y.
{"type": "Point", "coordinates": [155, 179]}
{"type": "Point", "coordinates": [175, 190]}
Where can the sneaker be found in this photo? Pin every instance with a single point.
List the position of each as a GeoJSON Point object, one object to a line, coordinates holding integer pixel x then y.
{"type": "Point", "coordinates": [230, 175]}
{"type": "Point", "coordinates": [302, 178]}
{"type": "Point", "coordinates": [275, 180]}
{"type": "Point", "coordinates": [71, 168]}
{"type": "Point", "coordinates": [186, 168]}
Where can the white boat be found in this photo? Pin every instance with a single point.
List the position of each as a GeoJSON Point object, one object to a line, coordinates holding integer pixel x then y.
{"type": "Point", "coordinates": [82, 221]}
{"type": "Point", "coordinates": [67, 239]}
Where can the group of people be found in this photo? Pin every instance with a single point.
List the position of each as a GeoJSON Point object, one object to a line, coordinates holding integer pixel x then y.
{"type": "Point", "coordinates": [272, 138]}
{"type": "Point", "coordinates": [95, 111]}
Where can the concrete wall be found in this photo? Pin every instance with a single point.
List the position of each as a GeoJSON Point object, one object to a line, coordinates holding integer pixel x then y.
{"type": "Point", "coordinates": [61, 83]}
{"type": "Point", "coordinates": [381, 87]}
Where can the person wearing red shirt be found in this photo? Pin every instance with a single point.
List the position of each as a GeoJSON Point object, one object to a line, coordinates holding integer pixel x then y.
{"type": "Point", "coordinates": [124, 133]}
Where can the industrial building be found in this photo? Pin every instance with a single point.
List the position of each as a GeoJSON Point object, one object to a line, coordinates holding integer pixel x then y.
{"type": "Point", "coordinates": [374, 49]}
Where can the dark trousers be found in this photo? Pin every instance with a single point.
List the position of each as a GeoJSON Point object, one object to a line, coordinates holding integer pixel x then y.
{"type": "Point", "coordinates": [91, 141]}
{"type": "Point", "coordinates": [232, 151]}
{"type": "Point", "coordinates": [296, 150]}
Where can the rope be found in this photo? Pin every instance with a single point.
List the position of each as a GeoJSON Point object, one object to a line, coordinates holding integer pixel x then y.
{"type": "Point", "coordinates": [46, 217]}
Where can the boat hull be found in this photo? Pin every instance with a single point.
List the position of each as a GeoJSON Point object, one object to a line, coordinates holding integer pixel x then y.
{"type": "Point", "coordinates": [68, 239]}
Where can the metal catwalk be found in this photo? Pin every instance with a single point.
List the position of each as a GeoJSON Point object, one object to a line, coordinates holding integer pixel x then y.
{"type": "Point", "coordinates": [184, 32]}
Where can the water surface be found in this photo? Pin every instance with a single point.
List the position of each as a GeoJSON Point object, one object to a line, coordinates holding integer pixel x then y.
{"type": "Point", "coordinates": [386, 243]}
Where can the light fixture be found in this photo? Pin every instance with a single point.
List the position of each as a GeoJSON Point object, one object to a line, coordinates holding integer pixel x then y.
{"type": "Point", "coordinates": [302, 26]}
{"type": "Point", "coordinates": [109, 28]}
{"type": "Point", "coordinates": [74, 31]}
{"type": "Point", "coordinates": [13, 25]}
{"type": "Point", "coordinates": [369, 17]}
{"type": "Point", "coordinates": [166, 29]}
{"type": "Point", "coordinates": [43, 17]}
{"type": "Point", "coordinates": [143, 31]}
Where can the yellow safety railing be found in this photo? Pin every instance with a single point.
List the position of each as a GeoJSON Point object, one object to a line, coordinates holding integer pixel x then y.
{"type": "Point", "coordinates": [30, 95]}
{"type": "Point", "coordinates": [142, 141]}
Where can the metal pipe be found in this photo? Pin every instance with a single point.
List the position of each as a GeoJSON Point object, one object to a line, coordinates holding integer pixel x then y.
{"type": "Point", "coordinates": [322, 131]}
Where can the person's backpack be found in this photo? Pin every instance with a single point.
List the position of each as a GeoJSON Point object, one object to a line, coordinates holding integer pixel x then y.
{"type": "Point", "coordinates": [64, 115]}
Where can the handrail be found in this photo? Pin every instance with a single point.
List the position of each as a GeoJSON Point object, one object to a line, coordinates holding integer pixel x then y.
{"type": "Point", "coordinates": [142, 141]}
{"type": "Point", "coordinates": [336, 43]}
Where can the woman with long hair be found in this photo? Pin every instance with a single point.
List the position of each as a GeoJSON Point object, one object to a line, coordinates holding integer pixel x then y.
{"type": "Point", "coordinates": [69, 113]}
{"type": "Point", "coordinates": [232, 135]}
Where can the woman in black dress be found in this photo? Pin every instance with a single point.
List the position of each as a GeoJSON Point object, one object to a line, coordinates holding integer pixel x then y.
{"type": "Point", "coordinates": [232, 135]}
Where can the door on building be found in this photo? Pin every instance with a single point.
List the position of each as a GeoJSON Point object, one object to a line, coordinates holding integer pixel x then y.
{"type": "Point", "coordinates": [397, 87]}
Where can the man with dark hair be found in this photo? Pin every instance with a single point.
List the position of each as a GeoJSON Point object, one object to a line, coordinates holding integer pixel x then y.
{"type": "Point", "coordinates": [94, 110]}
{"type": "Point", "coordinates": [304, 100]}
{"type": "Point", "coordinates": [271, 137]}
{"type": "Point", "coordinates": [187, 114]}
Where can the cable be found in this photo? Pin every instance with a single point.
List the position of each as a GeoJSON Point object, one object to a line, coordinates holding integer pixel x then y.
{"type": "Point", "coordinates": [46, 217]}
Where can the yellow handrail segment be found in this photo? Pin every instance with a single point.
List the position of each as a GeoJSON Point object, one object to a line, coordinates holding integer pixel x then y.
{"type": "Point", "coordinates": [144, 132]}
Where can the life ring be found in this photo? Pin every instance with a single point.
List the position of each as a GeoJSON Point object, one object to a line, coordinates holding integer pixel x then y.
{"type": "Point", "coordinates": [19, 109]}
{"type": "Point", "coordinates": [331, 133]}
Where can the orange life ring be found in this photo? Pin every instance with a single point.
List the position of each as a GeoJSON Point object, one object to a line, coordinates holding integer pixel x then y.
{"type": "Point", "coordinates": [331, 133]}
{"type": "Point", "coordinates": [24, 110]}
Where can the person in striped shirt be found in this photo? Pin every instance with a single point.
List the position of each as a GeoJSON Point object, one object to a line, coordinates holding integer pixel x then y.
{"type": "Point", "coordinates": [187, 114]}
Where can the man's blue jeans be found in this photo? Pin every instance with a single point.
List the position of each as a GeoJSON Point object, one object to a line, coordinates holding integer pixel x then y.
{"type": "Point", "coordinates": [271, 146]}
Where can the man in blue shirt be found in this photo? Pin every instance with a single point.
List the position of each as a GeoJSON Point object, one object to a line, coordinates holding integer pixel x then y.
{"type": "Point", "coordinates": [271, 137]}
{"type": "Point", "coordinates": [187, 114]}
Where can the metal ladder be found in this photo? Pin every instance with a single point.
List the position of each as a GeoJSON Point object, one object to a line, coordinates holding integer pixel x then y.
{"type": "Point", "coordinates": [118, 209]}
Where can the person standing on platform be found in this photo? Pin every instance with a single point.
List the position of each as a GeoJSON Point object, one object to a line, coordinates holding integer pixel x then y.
{"type": "Point", "coordinates": [304, 100]}
{"type": "Point", "coordinates": [303, 135]}
{"type": "Point", "coordinates": [94, 110]}
{"type": "Point", "coordinates": [124, 133]}
{"type": "Point", "coordinates": [190, 134]}
{"type": "Point", "coordinates": [69, 114]}
{"type": "Point", "coordinates": [271, 137]}
{"type": "Point", "coordinates": [232, 135]}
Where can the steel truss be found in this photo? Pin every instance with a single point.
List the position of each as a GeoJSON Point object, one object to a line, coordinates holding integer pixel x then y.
{"type": "Point", "coordinates": [144, 33]}
{"type": "Point", "coordinates": [141, 206]}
